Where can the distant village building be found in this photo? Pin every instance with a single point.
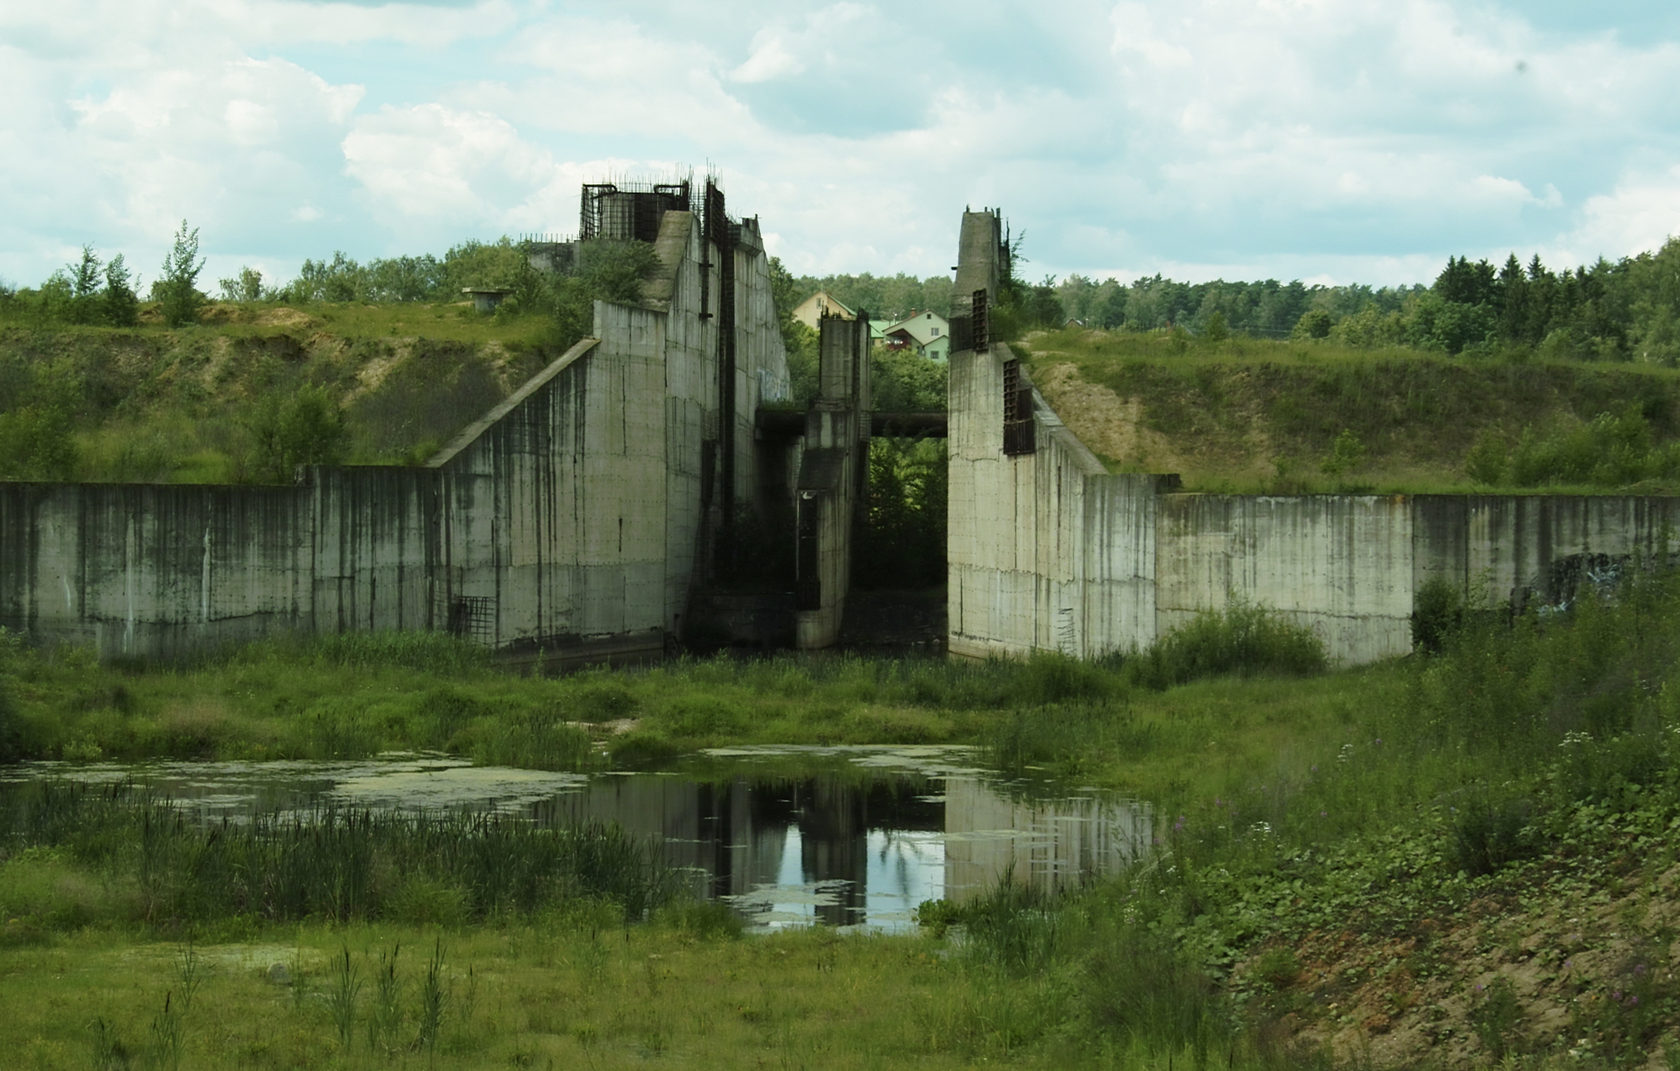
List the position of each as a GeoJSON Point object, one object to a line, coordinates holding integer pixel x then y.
{"type": "Point", "coordinates": [811, 311]}
{"type": "Point", "coordinates": [928, 333]}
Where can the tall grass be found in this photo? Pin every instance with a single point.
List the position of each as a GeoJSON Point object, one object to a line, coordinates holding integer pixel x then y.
{"type": "Point", "coordinates": [336, 863]}
{"type": "Point", "coordinates": [1521, 754]}
{"type": "Point", "coordinates": [1241, 640]}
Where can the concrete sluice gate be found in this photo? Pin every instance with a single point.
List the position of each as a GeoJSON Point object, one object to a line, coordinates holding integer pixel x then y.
{"type": "Point", "coordinates": [630, 497]}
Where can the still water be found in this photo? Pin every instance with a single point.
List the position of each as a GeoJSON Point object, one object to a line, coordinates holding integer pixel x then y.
{"type": "Point", "coordinates": [850, 836]}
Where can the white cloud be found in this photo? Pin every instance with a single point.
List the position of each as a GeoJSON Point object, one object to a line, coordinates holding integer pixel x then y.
{"type": "Point", "coordinates": [787, 47]}
{"type": "Point", "coordinates": [1639, 215]}
{"type": "Point", "coordinates": [211, 143]}
{"type": "Point", "coordinates": [772, 57]}
{"type": "Point", "coordinates": [429, 161]}
{"type": "Point", "coordinates": [1283, 137]}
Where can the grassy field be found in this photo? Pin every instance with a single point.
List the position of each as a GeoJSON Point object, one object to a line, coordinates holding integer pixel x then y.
{"type": "Point", "coordinates": [1464, 859]}
{"type": "Point", "coordinates": [1251, 415]}
{"type": "Point", "coordinates": [197, 404]}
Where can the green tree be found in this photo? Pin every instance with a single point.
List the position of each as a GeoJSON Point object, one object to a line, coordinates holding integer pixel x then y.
{"type": "Point", "coordinates": [901, 542]}
{"type": "Point", "coordinates": [340, 279]}
{"type": "Point", "coordinates": [84, 288]}
{"type": "Point", "coordinates": [1046, 306]}
{"type": "Point", "coordinates": [903, 381]}
{"type": "Point", "coordinates": [120, 307]}
{"type": "Point", "coordinates": [1214, 330]}
{"type": "Point", "coordinates": [407, 278]}
{"type": "Point", "coordinates": [1467, 283]}
{"type": "Point", "coordinates": [1112, 306]}
{"type": "Point", "coordinates": [1314, 323]}
{"type": "Point", "coordinates": [1435, 324]}
{"type": "Point", "coordinates": [176, 292]}
{"type": "Point", "coordinates": [246, 286]}
{"type": "Point", "coordinates": [1514, 311]}
{"type": "Point", "coordinates": [307, 429]}
{"type": "Point", "coordinates": [798, 340]}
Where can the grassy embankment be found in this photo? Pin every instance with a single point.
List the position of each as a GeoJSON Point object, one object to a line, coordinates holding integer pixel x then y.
{"type": "Point", "coordinates": [1453, 860]}
{"type": "Point", "coordinates": [1250, 415]}
{"type": "Point", "coordinates": [149, 404]}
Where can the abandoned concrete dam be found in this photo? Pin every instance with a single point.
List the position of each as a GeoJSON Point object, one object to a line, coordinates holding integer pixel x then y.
{"type": "Point", "coordinates": [582, 516]}
{"type": "Point", "coordinates": [592, 514]}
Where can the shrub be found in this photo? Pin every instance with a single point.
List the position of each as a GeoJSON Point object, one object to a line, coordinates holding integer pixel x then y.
{"type": "Point", "coordinates": [1489, 832]}
{"type": "Point", "coordinates": [1139, 984]}
{"type": "Point", "coordinates": [306, 429]}
{"type": "Point", "coordinates": [1052, 677]}
{"type": "Point", "coordinates": [1437, 614]}
{"type": "Point", "coordinates": [638, 750]}
{"type": "Point", "coordinates": [1495, 1016]}
{"type": "Point", "coordinates": [1243, 640]}
{"type": "Point", "coordinates": [1486, 461]}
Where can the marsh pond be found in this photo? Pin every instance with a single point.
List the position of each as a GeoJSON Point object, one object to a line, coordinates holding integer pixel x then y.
{"type": "Point", "coordinates": [842, 836]}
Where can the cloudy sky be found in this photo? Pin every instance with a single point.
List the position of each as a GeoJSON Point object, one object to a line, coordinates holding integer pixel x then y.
{"type": "Point", "coordinates": [1326, 140]}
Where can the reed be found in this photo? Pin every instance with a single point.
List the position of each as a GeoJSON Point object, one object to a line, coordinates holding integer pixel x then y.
{"type": "Point", "coordinates": [330, 862]}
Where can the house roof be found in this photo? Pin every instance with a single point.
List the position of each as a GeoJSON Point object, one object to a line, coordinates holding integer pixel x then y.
{"type": "Point", "coordinates": [822, 303]}
{"type": "Point", "coordinates": [922, 326]}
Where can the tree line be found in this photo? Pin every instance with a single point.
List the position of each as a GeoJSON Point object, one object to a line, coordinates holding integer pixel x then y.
{"type": "Point", "coordinates": [1627, 309]}
{"type": "Point", "coordinates": [96, 291]}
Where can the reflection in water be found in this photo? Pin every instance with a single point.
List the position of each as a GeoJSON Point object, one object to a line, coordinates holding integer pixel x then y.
{"type": "Point", "coordinates": [862, 846]}
{"type": "Point", "coordinates": [846, 853]}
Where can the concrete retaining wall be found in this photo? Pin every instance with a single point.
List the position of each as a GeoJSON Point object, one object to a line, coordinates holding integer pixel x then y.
{"type": "Point", "coordinates": [572, 514]}
{"type": "Point", "coordinates": [1050, 553]}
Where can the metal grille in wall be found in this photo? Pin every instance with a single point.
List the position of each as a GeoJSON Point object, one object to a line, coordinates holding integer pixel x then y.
{"type": "Point", "coordinates": [978, 326]}
{"type": "Point", "coordinates": [1018, 434]}
{"type": "Point", "coordinates": [968, 323]}
{"type": "Point", "coordinates": [473, 617]}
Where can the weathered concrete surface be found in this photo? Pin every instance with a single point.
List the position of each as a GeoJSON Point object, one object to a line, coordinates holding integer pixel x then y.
{"type": "Point", "coordinates": [155, 568]}
{"type": "Point", "coordinates": [834, 466]}
{"type": "Point", "coordinates": [1048, 552]}
{"type": "Point", "coordinates": [572, 515]}
{"type": "Point", "coordinates": [1339, 564]}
